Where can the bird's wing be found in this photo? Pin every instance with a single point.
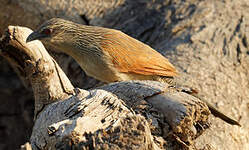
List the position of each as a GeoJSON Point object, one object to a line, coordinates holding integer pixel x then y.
{"type": "Point", "coordinates": [132, 56]}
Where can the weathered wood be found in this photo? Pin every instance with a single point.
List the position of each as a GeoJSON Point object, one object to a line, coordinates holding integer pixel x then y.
{"type": "Point", "coordinates": [125, 115]}
{"type": "Point", "coordinates": [31, 61]}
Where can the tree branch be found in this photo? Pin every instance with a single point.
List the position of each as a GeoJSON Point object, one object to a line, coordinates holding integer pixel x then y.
{"type": "Point", "coordinates": [32, 62]}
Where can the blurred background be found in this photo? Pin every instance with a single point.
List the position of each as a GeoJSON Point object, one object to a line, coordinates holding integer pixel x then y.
{"type": "Point", "coordinates": [207, 41]}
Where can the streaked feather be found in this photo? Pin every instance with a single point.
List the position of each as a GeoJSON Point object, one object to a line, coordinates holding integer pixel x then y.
{"type": "Point", "coordinates": [132, 56]}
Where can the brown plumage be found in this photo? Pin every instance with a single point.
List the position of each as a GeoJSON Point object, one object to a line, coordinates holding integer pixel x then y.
{"type": "Point", "coordinates": [107, 54]}
{"type": "Point", "coordinates": [132, 56]}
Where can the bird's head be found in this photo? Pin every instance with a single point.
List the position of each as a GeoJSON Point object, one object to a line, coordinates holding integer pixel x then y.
{"type": "Point", "coordinates": [52, 31]}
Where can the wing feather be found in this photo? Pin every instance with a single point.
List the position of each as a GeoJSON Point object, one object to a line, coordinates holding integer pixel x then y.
{"type": "Point", "coordinates": [132, 56]}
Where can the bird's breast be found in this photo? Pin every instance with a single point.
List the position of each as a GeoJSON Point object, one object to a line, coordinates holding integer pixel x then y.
{"type": "Point", "coordinates": [96, 65]}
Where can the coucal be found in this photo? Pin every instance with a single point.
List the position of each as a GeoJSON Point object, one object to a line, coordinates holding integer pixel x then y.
{"type": "Point", "coordinates": [110, 55]}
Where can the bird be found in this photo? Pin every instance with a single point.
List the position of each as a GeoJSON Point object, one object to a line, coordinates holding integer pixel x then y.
{"type": "Point", "coordinates": [110, 55]}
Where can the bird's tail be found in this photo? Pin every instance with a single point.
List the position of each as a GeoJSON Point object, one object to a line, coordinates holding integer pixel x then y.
{"type": "Point", "coordinates": [211, 107]}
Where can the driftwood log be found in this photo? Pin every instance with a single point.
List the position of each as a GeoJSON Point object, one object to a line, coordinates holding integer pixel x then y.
{"type": "Point", "coordinates": [126, 115]}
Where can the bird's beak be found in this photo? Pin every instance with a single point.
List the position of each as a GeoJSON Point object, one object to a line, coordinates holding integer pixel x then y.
{"type": "Point", "coordinates": [35, 36]}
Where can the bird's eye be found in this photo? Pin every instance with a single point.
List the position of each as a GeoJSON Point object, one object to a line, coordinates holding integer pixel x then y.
{"type": "Point", "coordinates": [47, 31]}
